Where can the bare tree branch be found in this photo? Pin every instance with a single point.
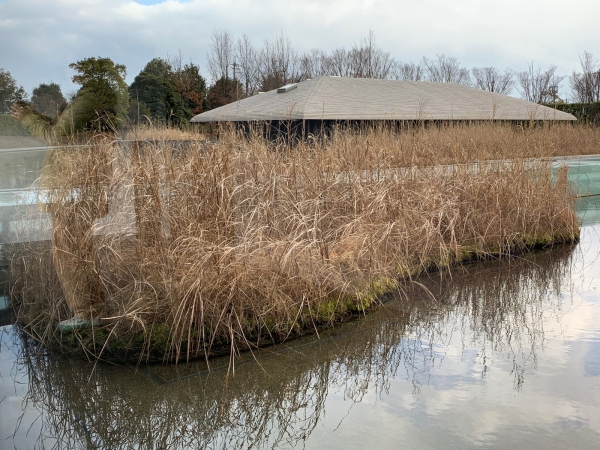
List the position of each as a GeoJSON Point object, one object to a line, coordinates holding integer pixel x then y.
{"type": "Point", "coordinates": [221, 55]}
{"type": "Point", "coordinates": [408, 71]}
{"type": "Point", "coordinates": [585, 85]}
{"type": "Point", "coordinates": [315, 63]}
{"type": "Point", "coordinates": [340, 63]}
{"type": "Point", "coordinates": [538, 86]}
{"type": "Point", "coordinates": [446, 69]}
{"type": "Point", "coordinates": [246, 59]}
{"type": "Point", "coordinates": [491, 79]}
{"type": "Point", "coordinates": [368, 60]}
{"type": "Point", "coordinates": [278, 64]}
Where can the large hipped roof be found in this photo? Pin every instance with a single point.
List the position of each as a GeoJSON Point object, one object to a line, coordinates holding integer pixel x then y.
{"type": "Point", "coordinates": [341, 98]}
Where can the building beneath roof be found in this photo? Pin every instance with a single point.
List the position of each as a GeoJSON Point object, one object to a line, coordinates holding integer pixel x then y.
{"type": "Point", "coordinates": [311, 105]}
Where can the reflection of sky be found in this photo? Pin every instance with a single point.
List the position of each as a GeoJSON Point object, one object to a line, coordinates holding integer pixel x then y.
{"type": "Point", "coordinates": [13, 389]}
{"type": "Point", "coordinates": [558, 405]}
{"type": "Point", "coordinates": [591, 358]}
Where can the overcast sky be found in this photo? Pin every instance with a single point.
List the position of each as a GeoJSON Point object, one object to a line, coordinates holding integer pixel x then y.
{"type": "Point", "coordinates": [40, 38]}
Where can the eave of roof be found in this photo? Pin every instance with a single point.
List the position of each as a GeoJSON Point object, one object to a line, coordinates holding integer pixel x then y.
{"type": "Point", "coordinates": [336, 98]}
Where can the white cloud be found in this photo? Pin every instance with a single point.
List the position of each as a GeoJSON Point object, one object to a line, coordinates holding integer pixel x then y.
{"type": "Point", "coordinates": [42, 37]}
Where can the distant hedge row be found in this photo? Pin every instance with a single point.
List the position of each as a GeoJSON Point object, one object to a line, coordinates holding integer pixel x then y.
{"type": "Point", "coordinates": [585, 112]}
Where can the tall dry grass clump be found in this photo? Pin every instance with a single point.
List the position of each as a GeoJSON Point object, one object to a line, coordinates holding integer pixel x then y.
{"type": "Point", "coordinates": [160, 133]}
{"type": "Point", "coordinates": [236, 244]}
{"type": "Point", "coordinates": [464, 143]}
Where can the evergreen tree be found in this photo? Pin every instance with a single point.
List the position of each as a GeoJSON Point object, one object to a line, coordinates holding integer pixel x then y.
{"type": "Point", "coordinates": [153, 90]}
{"type": "Point", "coordinates": [167, 94]}
{"type": "Point", "coordinates": [47, 99]}
{"type": "Point", "coordinates": [9, 92]}
{"type": "Point", "coordinates": [103, 99]}
{"type": "Point", "coordinates": [224, 91]}
{"type": "Point", "coordinates": [192, 88]}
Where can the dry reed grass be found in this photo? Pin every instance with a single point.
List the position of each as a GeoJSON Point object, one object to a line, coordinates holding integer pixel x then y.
{"type": "Point", "coordinates": [161, 133]}
{"type": "Point", "coordinates": [236, 244]}
{"type": "Point", "coordinates": [463, 143]}
{"type": "Point", "coordinates": [133, 133]}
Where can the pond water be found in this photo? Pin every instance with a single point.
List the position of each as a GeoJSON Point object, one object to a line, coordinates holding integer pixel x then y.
{"type": "Point", "coordinates": [502, 354]}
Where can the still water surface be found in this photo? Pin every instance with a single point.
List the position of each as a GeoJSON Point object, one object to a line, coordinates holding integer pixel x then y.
{"type": "Point", "coordinates": [502, 354]}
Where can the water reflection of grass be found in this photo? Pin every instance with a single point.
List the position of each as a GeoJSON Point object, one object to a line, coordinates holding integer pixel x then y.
{"type": "Point", "coordinates": [279, 400]}
{"type": "Point", "coordinates": [501, 312]}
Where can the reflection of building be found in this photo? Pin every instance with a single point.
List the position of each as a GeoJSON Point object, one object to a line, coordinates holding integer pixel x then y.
{"type": "Point", "coordinates": [309, 105]}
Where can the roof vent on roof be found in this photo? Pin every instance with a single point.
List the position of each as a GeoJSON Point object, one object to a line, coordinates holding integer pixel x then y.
{"type": "Point", "coordinates": [287, 88]}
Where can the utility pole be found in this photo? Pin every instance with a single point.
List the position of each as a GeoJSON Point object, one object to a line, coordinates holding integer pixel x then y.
{"type": "Point", "coordinates": [553, 92]}
{"type": "Point", "coordinates": [234, 65]}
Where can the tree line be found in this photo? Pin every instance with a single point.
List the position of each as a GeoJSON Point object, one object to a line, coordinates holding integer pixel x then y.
{"type": "Point", "coordinates": [246, 69]}
{"type": "Point", "coordinates": [166, 91]}
{"type": "Point", "coordinates": [169, 91]}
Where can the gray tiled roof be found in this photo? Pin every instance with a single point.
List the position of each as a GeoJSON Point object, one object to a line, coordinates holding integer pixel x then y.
{"type": "Point", "coordinates": [336, 98]}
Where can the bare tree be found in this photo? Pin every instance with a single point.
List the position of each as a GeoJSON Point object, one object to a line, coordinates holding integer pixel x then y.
{"type": "Point", "coordinates": [278, 64]}
{"type": "Point", "coordinates": [491, 79]}
{"type": "Point", "coordinates": [339, 61]}
{"type": "Point", "coordinates": [538, 86]}
{"type": "Point", "coordinates": [408, 71]}
{"type": "Point", "coordinates": [315, 63]}
{"type": "Point", "coordinates": [246, 64]}
{"type": "Point", "coordinates": [221, 55]}
{"type": "Point", "coordinates": [585, 86]}
{"type": "Point", "coordinates": [446, 69]}
{"type": "Point", "coordinates": [367, 60]}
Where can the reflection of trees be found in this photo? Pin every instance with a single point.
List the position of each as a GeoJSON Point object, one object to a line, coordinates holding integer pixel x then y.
{"type": "Point", "coordinates": [500, 308]}
{"type": "Point", "coordinates": [278, 401]}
